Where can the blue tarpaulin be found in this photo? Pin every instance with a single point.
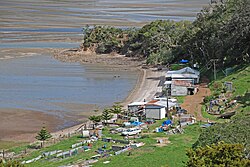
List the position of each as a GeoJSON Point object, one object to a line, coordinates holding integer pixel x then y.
{"type": "Point", "coordinates": [167, 122]}
{"type": "Point", "coordinates": [135, 123]}
{"type": "Point", "coordinates": [183, 61]}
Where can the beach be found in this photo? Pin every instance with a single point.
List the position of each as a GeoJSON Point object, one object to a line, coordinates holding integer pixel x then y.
{"type": "Point", "coordinates": [145, 89]}
{"type": "Point", "coordinates": [22, 125]}
{"type": "Point", "coordinates": [32, 31]}
{"type": "Point", "coordinates": [67, 103]}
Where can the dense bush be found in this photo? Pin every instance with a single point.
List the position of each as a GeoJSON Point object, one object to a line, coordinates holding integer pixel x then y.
{"type": "Point", "coordinates": [220, 154]}
{"type": "Point", "coordinates": [221, 31]}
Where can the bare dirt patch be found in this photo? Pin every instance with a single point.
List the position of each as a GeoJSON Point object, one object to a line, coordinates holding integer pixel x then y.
{"type": "Point", "coordinates": [162, 141]}
{"type": "Point", "coordinates": [193, 103]}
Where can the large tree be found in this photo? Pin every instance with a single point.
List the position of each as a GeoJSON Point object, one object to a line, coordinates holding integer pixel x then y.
{"type": "Point", "coordinates": [221, 31]}
{"type": "Point", "coordinates": [116, 108]}
{"type": "Point", "coordinates": [218, 155]}
{"type": "Point", "coordinates": [95, 118]}
{"type": "Point", "coordinates": [106, 115]}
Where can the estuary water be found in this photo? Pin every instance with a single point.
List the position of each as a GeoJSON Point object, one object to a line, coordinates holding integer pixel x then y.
{"type": "Point", "coordinates": [40, 83]}
{"type": "Point", "coordinates": [63, 20]}
{"type": "Point", "coordinates": [30, 79]}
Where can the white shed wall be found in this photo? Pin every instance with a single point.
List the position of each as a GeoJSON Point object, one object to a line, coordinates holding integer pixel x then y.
{"type": "Point", "coordinates": [155, 113]}
{"type": "Point", "coordinates": [178, 90]}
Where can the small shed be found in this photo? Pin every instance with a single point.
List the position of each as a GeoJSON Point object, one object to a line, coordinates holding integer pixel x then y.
{"type": "Point", "coordinates": [182, 88]}
{"type": "Point", "coordinates": [155, 111]}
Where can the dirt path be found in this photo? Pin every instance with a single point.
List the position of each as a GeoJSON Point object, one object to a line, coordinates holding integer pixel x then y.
{"type": "Point", "coordinates": [192, 103]}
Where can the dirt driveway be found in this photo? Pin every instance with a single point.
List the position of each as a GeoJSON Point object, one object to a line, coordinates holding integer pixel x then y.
{"type": "Point", "coordinates": [192, 103]}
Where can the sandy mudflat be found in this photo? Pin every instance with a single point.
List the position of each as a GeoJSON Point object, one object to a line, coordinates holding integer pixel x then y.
{"type": "Point", "coordinates": [22, 125]}
{"type": "Point", "coordinates": [19, 125]}
{"type": "Point", "coordinates": [28, 22]}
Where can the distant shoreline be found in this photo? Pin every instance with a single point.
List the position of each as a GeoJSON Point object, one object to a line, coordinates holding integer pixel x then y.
{"type": "Point", "coordinates": [144, 88]}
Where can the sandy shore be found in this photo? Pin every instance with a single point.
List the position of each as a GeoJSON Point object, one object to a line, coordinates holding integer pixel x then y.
{"type": "Point", "coordinates": [19, 125]}
{"type": "Point", "coordinates": [147, 86]}
{"type": "Point", "coordinates": [147, 83]}
{"type": "Point", "coordinates": [22, 125]}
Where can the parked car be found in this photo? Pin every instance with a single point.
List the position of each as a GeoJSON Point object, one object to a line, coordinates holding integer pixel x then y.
{"type": "Point", "coordinates": [131, 131]}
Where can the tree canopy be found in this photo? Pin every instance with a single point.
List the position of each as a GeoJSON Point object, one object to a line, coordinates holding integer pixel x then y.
{"type": "Point", "coordinates": [221, 31]}
{"type": "Point", "coordinates": [218, 155]}
{"type": "Point", "coordinates": [43, 135]}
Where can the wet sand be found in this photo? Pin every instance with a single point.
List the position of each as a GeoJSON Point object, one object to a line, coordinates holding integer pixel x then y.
{"type": "Point", "coordinates": [23, 124]}
{"type": "Point", "coordinates": [27, 25]}
{"type": "Point", "coordinates": [30, 20]}
{"type": "Point", "coordinates": [18, 124]}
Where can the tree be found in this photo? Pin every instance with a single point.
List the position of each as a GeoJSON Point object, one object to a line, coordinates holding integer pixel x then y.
{"type": "Point", "coordinates": [116, 108]}
{"type": "Point", "coordinates": [233, 132]}
{"type": "Point", "coordinates": [218, 155]}
{"type": "Point", "coordinates": [95, 118]}
{"type": "Point", "coordinates": [43, 135]}
{"type": "Point", "coordinates": [106, 115]}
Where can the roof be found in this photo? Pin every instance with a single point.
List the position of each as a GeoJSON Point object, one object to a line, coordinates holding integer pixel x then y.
{"type": "Point", "coordinates": [137, 104]}
{"type": "Point", "coordinates": [186, 70]}
{"type": "Point", "coordinates": [182, 83]}
{"type": "Point", "coordinates": [165, 99]}
{"type": "Point", "coordinates": [167, 82]}
{"type": "Point", "coordinates": [182, 76]}
{"type": "Point", "coordinates": [160, 104]}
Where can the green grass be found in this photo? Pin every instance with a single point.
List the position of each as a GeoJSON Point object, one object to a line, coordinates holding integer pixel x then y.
{"type": "Point", "coordinates": [241, 87]}
{"type": "Point", "coordinates": [240, 79]}
{"type": "Point", "coordinates": [173, 155]}
{"type": "Point", "coordinates": [180, 99]}
{"type": "Point", "coordinates": [63, 145]}
{"type": "Point", "coordinates": [178, 66]}
{"type": "Point", "coordinates": [211, 117]}
{"type": "Point", "coordinates": [207, 115]}
{"type": "Point", "coordinates": [10, 144]}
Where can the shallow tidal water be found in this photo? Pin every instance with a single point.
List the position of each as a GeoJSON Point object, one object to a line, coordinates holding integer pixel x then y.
{"type": "Point", "coordinates": [63, 20]}
{"type": "Point", "coordinates": [35, 81]}
{"type": "Point", "coordinates": [40, 83]}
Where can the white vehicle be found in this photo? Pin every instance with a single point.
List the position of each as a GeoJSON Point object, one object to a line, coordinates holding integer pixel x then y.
{"type": "Point", "coordinates": [131, 131]}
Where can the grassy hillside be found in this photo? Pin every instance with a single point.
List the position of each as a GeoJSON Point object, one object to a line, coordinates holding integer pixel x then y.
{"type": "Point", "coordinates": [235, 130]}
{"type": "Point", "coordinates": [172, 154]}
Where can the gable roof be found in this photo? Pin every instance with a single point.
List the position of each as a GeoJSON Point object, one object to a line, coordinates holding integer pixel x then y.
{"type": "Point", "coordinates": [184, 71]}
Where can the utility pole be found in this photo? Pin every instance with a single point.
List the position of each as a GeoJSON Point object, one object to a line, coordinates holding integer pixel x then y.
{"type": "Point", "coordinates": [167, 101]}
{"type": "Point", "coordinates": [214, 60]}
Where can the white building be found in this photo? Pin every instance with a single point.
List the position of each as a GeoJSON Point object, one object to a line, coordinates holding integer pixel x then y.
{"type": "Point", "coordinates": [158, 109]}
{"type": "Point", "coordinates": [186, 73]}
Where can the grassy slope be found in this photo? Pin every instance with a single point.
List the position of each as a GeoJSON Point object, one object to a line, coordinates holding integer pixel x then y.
{"type": "Point", "coordinates": [241, 83]}
{"type": "Point", "coordinates": [10, 144]}
{"type": "Point", "coordinates": [174, 154]}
